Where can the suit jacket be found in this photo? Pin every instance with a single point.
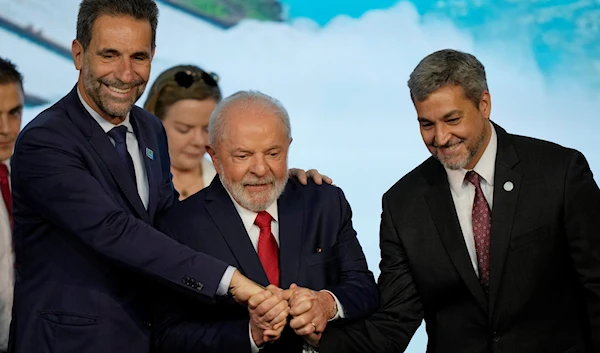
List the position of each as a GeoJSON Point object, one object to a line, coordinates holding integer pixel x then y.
{"type": "Point", "coordinates": [311, 217]}
{"type": "Point", "coordinates": [83, 238]}
{"type": "Point", "coordinates": [544, 293]}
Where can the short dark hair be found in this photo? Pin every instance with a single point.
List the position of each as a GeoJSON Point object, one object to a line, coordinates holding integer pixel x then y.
{"type": "Point", "coordinates": [9, 73]}
{"type": "Point", "coordinates": [90, 10]}
{"type": "Point", "coordinates": [448, 67]}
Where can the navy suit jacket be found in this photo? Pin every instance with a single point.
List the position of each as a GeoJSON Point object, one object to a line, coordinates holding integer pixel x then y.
{"type": "Point", "coordinates": [318, 250]}
{"type": "Point", "coordinates": [83, 238]}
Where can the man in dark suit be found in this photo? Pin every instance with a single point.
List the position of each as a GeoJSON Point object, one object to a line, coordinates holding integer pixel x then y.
{"type": "Point", "coordinates": [12, 99]}
{"type": "Point", "coordinates": [89, 176]}
{"type": "Point", "coordinates": [493, 240]}
{"type": "Point", "coordinates": [280, 234]}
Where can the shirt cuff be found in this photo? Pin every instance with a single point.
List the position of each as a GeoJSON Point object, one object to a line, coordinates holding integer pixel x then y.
{"type": "Point", "coordinates": [253, 347]}
{"type": "Point", "coordinates": [339, 313]}
{"type": "Point", "coordinates": [307, 348]}
{"type": "Point", "coordinates": [226, 281]}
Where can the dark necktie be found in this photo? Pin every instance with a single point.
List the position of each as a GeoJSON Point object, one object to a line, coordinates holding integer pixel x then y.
{"type": "Point", "coordinates": [482, 226]}
{"type": "Point", "coordinates": [5, 187]}
{"type": "Point", "coordinates": [119, 134]}
{"type": "Point", "coordinates": [268, 251]}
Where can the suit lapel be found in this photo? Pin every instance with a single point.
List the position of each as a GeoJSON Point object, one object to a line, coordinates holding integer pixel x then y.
{"type": "Point", "coordinates": [107, 152]}
{"type": "Point", "coordinates": [223, 213]}
{"type": "Point", "coordinates": [291, 215]}
{"type": "Point", "coordinates": [443, 212]}
{"type": "Point", "coordinates": [503, 209]}
{"type": "Point", "coordinates": [147, 141]}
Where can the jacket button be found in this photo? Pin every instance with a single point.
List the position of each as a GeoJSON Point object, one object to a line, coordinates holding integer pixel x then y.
{"type": "Point", "coordinates": [147, 324]}
{"type": "Point", "coordinates": [495, 337]}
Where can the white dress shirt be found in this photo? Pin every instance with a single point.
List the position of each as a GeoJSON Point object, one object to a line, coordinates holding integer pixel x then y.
{"type": "Point", "coordinates": [132, 147]}
{"type": "Point", "coordinates": [7, 260]}
{"type": "Point", "coordinates": [248, 217]}
{"type": "Point", "coordinates": [463, 192]}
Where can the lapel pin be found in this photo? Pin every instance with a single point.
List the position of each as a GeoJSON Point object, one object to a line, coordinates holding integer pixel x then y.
{"type": "Point", "coordinates": [149, 153]}
{"type": "Point", "coordinates": [319, 249]}
{"type": "Point", "coordinates": [508, 186]}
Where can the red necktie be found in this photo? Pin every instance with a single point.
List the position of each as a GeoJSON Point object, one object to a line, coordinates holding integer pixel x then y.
{"type": "Point", "coordinates": [268, 251]}
{"type": "Point", "coordinates": [5, 187]}
{"type": "Point", "coordinates": [482, 225]}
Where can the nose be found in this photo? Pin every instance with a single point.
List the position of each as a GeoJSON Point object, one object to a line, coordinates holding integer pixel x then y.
{"type": "Point", "coordinates": [442, 135]}
{"type": "Point", "coordinates": [124, 71]}
{"type": "Point", "coordinates": [200, 138]}
{"type": "Point", "coordinates": [259, 165]}
{"type": "Point", "coordinates": [4, 124]}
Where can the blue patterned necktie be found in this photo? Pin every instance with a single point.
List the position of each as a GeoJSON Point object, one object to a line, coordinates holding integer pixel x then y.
{"type": "Point", "coordinates": [119, 134]}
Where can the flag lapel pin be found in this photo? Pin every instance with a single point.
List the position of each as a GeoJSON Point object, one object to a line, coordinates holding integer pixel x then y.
{"type": "Point", "coordinates": [149, 153]}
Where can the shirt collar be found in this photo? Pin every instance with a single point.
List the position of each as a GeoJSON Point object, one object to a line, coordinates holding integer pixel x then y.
{"type": "Point", "coordinates": [248, 216]}
{"type": "Point", "coordinates": [485, 167]}
{"type": "Point", "coordinates": [104, 124]}
{"type": "Point", "coordinates": [7, 163]}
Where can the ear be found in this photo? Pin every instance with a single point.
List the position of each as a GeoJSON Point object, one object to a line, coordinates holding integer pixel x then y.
{"type": "Point", "coordinates": [485, 105]}
{"type": "Point", "coordinates": [213, 156]}
{"type": "Point", "coordinates": [77, 53]}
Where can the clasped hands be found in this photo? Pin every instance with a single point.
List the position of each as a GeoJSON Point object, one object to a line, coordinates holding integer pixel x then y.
{"type": "Point", "coordinates": [309, 311]}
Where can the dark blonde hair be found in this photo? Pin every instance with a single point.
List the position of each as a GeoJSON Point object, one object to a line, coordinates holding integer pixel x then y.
{"type": "Point", "coordinates": [167, 89]}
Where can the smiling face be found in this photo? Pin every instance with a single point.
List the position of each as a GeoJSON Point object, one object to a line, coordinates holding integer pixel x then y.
{"type": "Point", "coordinates": [455, 131]}
{"type": "Point", "coordinates": [251, 156]}
{"type": "Point", "coordinates": [115, 68]}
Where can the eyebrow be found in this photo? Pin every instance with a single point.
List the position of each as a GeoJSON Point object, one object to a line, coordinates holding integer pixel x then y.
{"type": "Point", "coordinates": [241, 150]}
{"type": "Point", "coordinates": [113, 51]}
{"type": "Point", "coordinates": [16, 108]}
{"type": "Point", "coordinates": [446, 116]}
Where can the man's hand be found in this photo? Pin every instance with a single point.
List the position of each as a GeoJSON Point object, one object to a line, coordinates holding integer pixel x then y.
{"type": "Point", "coordinates": [303, 176]}
{"type": "Point", "coordinates": [243, 288]}
{"type": "Point", "coordinates": [268, 314]}
{"type": "Point", "coordinates": [311, 311]}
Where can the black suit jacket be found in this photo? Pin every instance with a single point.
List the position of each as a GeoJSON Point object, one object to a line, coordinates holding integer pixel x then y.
{"type": "Point", "coordinates": [544, 293]}
{"type": "Point", "coordinates": [318, 250]}
{"type": "Point", "coordinates": [83, 238]}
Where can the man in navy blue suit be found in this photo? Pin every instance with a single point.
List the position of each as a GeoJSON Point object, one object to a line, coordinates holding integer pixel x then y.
{"type": "Point", "coordinates": [89, 175]}
{"type": "Point", "coordinates": [274, 231]}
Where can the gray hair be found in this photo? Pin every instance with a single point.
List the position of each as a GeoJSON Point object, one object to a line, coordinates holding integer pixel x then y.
{"type": "Point", "coordinates": [245, 100]}
{"type": "Point", "coordinates": [448, 67]}
{"type": "Point", "coordinates": [90, 10]}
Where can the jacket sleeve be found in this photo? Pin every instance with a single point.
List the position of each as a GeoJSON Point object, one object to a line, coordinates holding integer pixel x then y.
{"type": "Point", "coordinates": [52, 177]}
{"type": "Point", "coordinates": [390, 329]}
{"type": "Point", "coordinates": [182, 327]}
{"type": "Point", "coordinates": [582, 212]}
{"type": "Point", "coordinates": [357, 290]}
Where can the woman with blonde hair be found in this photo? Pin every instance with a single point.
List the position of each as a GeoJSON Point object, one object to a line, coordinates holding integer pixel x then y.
{"type": "Point", "coordinates": [183, 98]}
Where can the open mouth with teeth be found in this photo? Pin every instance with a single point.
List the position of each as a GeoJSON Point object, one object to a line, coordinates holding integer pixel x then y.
{"type": "Point", "coordinates": [119, 90]}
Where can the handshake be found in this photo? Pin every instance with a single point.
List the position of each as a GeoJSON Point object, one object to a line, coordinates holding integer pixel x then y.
{"type": "Point", "coordinates": [270, 307]}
